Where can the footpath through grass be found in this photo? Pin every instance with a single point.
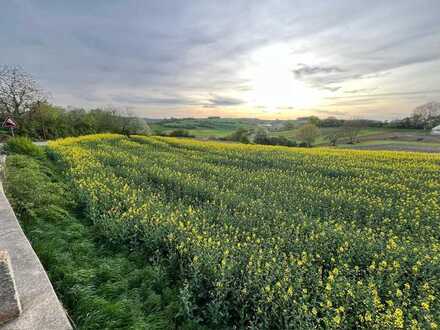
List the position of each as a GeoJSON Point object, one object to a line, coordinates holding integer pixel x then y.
{"type": "Point", "coordinates": [101, 286]}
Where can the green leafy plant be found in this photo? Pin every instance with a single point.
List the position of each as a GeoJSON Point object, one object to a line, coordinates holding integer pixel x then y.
{"type": "Point", "coordinates": [22, 145]}
{"type": "Point", "coordinates": [102, 286]}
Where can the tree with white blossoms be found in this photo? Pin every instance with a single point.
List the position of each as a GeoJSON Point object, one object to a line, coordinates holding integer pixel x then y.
{"type": "Point", "coordinates": [19, 92]}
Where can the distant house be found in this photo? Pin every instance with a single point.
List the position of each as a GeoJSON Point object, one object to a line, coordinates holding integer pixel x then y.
{"type": "Point", "coordinates": [436, 130]}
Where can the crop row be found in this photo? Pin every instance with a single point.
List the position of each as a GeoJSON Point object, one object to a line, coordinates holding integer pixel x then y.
{"type": "Point", "coordinates": [273, 237]}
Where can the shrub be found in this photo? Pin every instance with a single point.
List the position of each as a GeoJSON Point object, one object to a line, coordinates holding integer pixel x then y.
{"type": "Point", "coordinates": [282, 141]}
{"type": "Point", "coordinates": [240, 135]}
{"type": "Point", "coordinates": [180, 133]}
{"type": "Point", "coordinates": [244, 139]}
{"type": "Point", "coordinates": [22, 145]}
{"type": "Point", "coordinates": [274, 140]}
{"type": "Point", "coordinates": [158, 132]}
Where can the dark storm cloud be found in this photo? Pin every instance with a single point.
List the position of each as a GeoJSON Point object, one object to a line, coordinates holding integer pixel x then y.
{"type": "Point", "coordinates": [187, 53]}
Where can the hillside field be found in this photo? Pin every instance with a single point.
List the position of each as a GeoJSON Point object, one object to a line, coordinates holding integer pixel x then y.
{"type": "Point", "coordinates": [203, 127]}
{"type": "Point", "coordinates": [370, 138]}
{"type": "Point", "coordinates": [270, 236]}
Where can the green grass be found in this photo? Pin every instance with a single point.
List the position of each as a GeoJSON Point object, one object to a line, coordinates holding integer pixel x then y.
{"type": "Point", "coordinates": [291, 134]}
{"type": "Point", "coordinates": [102, 286]}
{"type": "Point", "coordinates": [22, 145]}
{"type": "Point", "coordinates": [210, 132]}
{"type": "Point", "coordinates": [203, 127]}
{"type": "Point", "coordinates": [366, 133]}
{"type": "Point", "coordinates": [396, 142]}
{"type": "Point", "coordinates": [394, 145]}
{"type": "Point", "coordinates": [197, 132]}
{"type": "Point", "coordinates": [221, 127]}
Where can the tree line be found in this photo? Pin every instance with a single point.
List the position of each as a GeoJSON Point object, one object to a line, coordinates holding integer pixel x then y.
{"type": "Point", "coordinates": [425, 117]}
{"type": "Point", "coordinates": [305, 135]}
{"type": "Point", "coordinates": [27, 104]}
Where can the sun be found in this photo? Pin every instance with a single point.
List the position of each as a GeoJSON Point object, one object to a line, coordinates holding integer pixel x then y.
{"type": "Point", "coordinates": [273, 86]}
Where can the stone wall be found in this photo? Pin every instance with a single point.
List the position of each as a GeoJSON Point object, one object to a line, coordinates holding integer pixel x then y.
{"type": "Point", "coordinates": [40, 306]}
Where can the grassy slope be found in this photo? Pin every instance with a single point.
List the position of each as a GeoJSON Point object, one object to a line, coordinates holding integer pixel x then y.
{"type": "Point", "coordinates": [386, 142]}
{"type": "Point", "coordinates": [380, 139]}
{"type": "Point", "coordinates": [221, 127]}
{"type": "Point", "coordinates": [217, 127]}
{"type": "Point", "coordinates": [102, 286]}
{"type": "Point", "coordinates": [367, 132]}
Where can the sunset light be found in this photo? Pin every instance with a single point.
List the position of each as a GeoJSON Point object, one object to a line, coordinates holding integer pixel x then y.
{"type": "Point", "coordinates": [272, 83]}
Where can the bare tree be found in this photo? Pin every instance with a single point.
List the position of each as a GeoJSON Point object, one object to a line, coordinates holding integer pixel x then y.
{"type": "Point", "coordinates": [352, 129]}
{"type": "Point", "coordinates": [19, 92]}
{"type": "Point", "coordinates": [427, 115]}
{"type": "Point", "coordinates": [308, 133]}
{"type": "Point", "coordinates": [335, 136]}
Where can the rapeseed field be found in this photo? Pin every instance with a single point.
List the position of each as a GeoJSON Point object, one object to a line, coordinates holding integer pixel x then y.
{"type": "Point", "coordinates": [272, 237]}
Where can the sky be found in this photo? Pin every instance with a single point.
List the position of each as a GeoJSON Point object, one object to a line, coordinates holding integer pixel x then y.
{"type": "Point", "coordinates": [268, 59]}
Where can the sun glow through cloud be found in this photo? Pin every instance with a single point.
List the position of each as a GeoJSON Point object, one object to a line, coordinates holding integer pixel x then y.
{"type": "Point", "coordinates": [273, 85]}
{"type": "Point", "coordinates": [282, 59]}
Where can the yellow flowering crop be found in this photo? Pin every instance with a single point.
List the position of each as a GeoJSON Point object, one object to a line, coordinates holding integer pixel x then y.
{"type": "Point", "coordinates": [273, 237]}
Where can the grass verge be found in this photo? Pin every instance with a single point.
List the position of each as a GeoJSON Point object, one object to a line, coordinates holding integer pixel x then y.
{"type": "Point", "coordinates": [102, 286]}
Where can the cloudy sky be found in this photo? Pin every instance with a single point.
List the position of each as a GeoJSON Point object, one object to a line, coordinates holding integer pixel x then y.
{"type": "Point", "coordinates": [266, 59]}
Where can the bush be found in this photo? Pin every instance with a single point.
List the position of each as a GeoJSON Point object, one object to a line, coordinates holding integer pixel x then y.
{"type": "Point", "coordinates": [282, 141]}
{"type": "Point", "coordinates": [240, 135]}
{"type": "Point", "coordinates": [159, 133]}
{"type": "Point", "coordinates": [22, 145]}
{"type": "Point", "coordinates": [244, 139]}
{"type": "Point", "coordinates": [180, 133]}
{"type": "Point", "coordinates": [274, 140]}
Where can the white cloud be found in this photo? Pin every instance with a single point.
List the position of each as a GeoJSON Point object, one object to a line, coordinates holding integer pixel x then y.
{"type": "Point", "coordinates": [182, 55]}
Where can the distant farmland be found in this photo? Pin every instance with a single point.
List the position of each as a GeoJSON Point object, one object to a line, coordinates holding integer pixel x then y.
{"type": "Point", "coordinates": [373, 138]}
{"type": "Point", "coordinates": [216, 127]}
